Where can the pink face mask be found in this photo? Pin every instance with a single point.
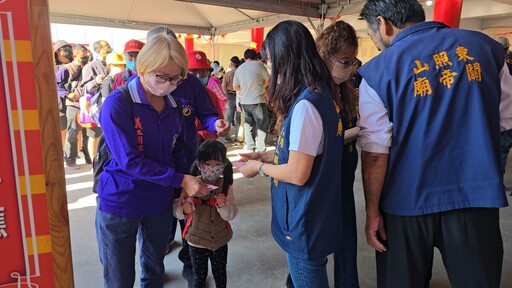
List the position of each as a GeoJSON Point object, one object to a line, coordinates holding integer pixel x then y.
{"type": "Point", "coordinates": [340, 74]}
{"type": "Point", "coordinates": [156, 88]}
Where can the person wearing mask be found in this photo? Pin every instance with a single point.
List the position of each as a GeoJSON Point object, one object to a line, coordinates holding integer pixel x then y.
{"type": "Point", "coordinates": [199, 67]}
{"type": "Point", "coordinates": [430, 119]}
{"type": "Point", "coordinates": [92, 76]}
{"type": "Point", "coordinates": [131, 50]}
{"type": "Point", "coordinates": [196, 104]}
{"type": "Point", "coordinates": [232, 115]}
{"type": "Point", "coordinates": [144, 160]}
{"type": "Point", "coordinates": [95, 71]}
{"type": "Point", "coordinates": [215, 84]}
{"type": "Point", "coordinates": [337, 45]}
{"type": "Point", "coordinates": [68, 79]}
{"type": "Point", "coordinates": [305, 186]}
{"type": "Point", "coordinates": [115, 66]}
{"type": "Point", "coordinates": [62, 54]}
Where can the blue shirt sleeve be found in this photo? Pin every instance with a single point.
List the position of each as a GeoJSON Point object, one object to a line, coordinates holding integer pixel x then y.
{"type": "Point", "coordinates": [118, 128]}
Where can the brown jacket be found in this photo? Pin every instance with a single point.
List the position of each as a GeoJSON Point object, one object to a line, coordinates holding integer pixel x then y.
{"type": "Point", "coordinates": [207, 228]}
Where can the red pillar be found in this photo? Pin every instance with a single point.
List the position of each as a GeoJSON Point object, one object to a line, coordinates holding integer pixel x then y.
{"type": "Point", "coordinates": [189, 43]}
{"type": "Point", "coordinates": [448, 12]}
{"type": "Point", "coordinates": [256, 38]}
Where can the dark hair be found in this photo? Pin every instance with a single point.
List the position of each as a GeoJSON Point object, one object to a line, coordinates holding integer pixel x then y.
{"type": "Point", "coordinates": [250, 54]}
{"type": "Point", "coordinates": [235, 60]}
{"type": "Point", "coordinates": [296, 61]}
{"type": "Point", "coordinates": [213, 150]}
{"type": "Point", "coordinates": [398, 12]}
{"type": "Point", "coordinates": [335, 37]}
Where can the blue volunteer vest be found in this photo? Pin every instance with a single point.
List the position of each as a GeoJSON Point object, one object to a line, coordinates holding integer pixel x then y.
{"type": "Point", "coordinates": [306, 220]}
{"type": "Point", "coordinates": [441, 89]}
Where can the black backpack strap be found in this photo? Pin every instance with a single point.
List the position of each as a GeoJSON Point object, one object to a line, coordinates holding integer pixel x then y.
{"type": "Point", "coordinates": [180, 140]}
{"type": "Point", "coordinates": [102, 153]}
{"type": "Point", "coordinates": [128, 97]}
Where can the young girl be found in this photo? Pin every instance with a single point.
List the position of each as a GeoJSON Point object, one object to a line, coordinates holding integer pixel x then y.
{"type": "Point", "coordinates": [207, 230]}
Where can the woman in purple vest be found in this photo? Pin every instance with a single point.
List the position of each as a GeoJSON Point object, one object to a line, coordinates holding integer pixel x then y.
{"type": "Point", "coordinates": [136, 188]}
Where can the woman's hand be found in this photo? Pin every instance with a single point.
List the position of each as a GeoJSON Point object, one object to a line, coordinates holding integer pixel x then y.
{"type": "Point", "coordinates": [265, 157]}
{"type": "Point", "coordinates": [250, 169]}
{"type": "Point", "coordinates": [194, 186]}
{"type": "Point", "coordinates": [222, 127]}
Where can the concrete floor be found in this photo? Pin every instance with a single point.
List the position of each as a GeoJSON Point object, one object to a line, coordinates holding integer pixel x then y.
{"type": "Point", "coordinates": [254, 258]}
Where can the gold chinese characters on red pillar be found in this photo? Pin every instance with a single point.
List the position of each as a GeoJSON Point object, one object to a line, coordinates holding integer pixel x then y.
{"type": "Point", "coordinates": [32, 254]}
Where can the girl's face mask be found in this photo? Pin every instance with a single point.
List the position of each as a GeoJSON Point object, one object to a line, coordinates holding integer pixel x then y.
{"type": "Point", "coordinates": [211, 171]}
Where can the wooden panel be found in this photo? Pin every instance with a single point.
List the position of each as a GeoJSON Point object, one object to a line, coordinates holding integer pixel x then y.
{"type": "Point", "coordinates": [51, 146]}
{"type": "Point", "coordinates": [34, 226]}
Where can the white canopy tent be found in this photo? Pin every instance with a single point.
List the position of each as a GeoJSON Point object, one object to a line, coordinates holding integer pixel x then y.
{"type": "Point", "coordinates": [216, 18]}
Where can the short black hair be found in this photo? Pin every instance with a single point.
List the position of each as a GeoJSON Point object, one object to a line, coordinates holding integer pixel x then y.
{"type": "Point", "coordinates": [398, 12]}
{"type": "Point", "coordinates": [211, 150]}
{"type": "Point", "coordinates": [250, 54]}
{"type": "Point", "coordinates": [235, 60]}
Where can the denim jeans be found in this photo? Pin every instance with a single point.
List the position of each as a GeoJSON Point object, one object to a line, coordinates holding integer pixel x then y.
{"type": "Point", "coordinates": [345, 260]}
{"type": "Point", "coordinates": [506, 144]}
{"type": "Point", "coordinates": [256, 116]}
{"type": "Point", "coordinates": [71, 145]}
{"type": "Point", "coordinates": [308, 273]}
{"type": "Point", "coordinates": [117, 237]}
{"type": "Point", "coordinates": [230, 114]}
{"type": "Point", "coordinates": [174, 221]}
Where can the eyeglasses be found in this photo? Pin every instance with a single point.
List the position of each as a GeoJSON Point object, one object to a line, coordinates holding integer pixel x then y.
{"type": "Point", "coordinates": [162, 79]}
{"type": "Point", "coordinates": [345, 63]}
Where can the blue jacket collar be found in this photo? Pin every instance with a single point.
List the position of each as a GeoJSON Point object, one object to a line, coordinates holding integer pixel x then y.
{"type": "Point", "coordinates": [415, 28]}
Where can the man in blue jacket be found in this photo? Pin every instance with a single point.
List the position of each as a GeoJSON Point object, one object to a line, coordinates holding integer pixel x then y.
{"type": "Point", "coordinates": [432, 105]}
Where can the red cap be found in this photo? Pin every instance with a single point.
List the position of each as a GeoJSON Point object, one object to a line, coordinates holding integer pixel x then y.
{"type": "Point", "coordinates": [133, 46]}
{"type": "Point", "coordinates": [198, 60]}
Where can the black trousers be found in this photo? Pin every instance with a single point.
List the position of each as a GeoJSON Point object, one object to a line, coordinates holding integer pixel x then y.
{"type": "Point", "coordinates": [218, 259]}
{"type": "Point", "coordinates": [469, 241]}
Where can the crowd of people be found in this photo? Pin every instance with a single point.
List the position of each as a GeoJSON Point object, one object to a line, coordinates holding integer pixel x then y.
{"type": "Point", "coordinates": [433, 123]}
